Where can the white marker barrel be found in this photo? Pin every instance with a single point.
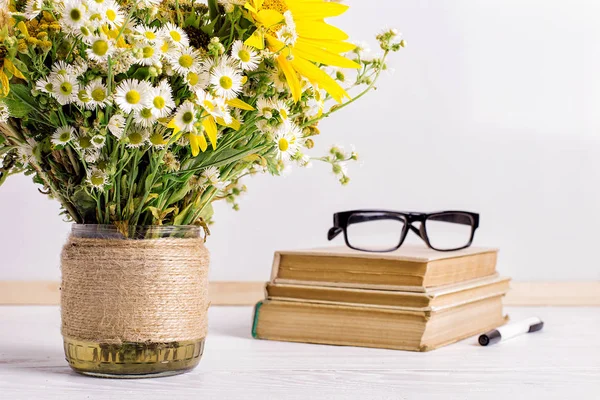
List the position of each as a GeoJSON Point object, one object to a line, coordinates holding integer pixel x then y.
{"type": "Point", "coordinates": [511, 330]}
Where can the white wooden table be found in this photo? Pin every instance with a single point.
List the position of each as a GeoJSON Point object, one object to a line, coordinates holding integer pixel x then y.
{"type": "Point", "coordinates": [560, 362]}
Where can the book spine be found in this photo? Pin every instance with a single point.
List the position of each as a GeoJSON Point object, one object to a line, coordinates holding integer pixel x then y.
{"type": "Point", "coordinates": [255, 319]}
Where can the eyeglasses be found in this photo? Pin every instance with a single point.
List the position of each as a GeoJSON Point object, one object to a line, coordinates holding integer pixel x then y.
{"type": "Point", "coordinates": [383, 231]}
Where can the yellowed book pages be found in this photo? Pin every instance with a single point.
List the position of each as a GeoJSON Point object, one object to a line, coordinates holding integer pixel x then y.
{"type": "Point", "coordinates": [410, 268]}
{"type": "Point", "coordinates": [374, 327]}
{"type": "Point", "coordinates": [431, 299]}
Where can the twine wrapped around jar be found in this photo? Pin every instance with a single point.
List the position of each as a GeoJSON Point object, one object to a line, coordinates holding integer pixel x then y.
{"type": "Point", "coordinates": [151, 290]}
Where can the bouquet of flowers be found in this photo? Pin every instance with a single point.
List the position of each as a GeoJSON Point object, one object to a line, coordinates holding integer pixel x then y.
{"type": "Point", "coordinates": [145, 112]}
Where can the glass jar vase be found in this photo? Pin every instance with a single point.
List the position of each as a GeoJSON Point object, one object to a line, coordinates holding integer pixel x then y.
{"type": "Point", "coordinates": [134, 300]}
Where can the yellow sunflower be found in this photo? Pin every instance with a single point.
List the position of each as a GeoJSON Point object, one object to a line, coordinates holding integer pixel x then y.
{"type": "Point", "coordinates": [296, 31]}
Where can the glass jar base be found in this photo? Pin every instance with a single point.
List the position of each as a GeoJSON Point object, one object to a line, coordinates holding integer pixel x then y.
{"type": "Point", "coordinates": [132, 360]}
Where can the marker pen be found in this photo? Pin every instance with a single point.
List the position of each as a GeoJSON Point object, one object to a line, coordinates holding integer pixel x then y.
{"type": "Point", "coordinates": [506, 332]}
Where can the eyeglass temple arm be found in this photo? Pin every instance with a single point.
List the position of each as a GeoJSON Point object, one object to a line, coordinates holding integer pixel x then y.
{"type": "Point", "coordinates": [333, 232]}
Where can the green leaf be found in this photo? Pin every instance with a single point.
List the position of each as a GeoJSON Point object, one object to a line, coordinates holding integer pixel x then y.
{"type": "Point", "coordinates": [213, 8]}
{"type": "Point", "coordinates": [19, 101]}
{"type": "Point", "coordinates": [182, 215]}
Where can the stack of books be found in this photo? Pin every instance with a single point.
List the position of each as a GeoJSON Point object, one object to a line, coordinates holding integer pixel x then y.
{"type": "Point", "coordinates": [412, 299]}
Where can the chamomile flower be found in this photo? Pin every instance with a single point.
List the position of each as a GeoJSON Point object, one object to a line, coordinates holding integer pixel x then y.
{"type": "Point", "coordinates": [149, 33]}
{"type": "Point", "coordinates": [44, 85]}
{"type": "Point", "coordinates": [97, 178]}
{"type": "Point", "coordinates": [147, 3]}
{"type": "Point", "coordinates": [246, 56]}
{"type": "Point", "coordinates": [116, 125]}
{"type": "Point", "coordinates": [100, 48]}
{"type": "Point", "coordinates": [286, 140]}
{"type": "Point", "coordinates": [281, 108]}
{"type": "Point", "coordinates": [98, 141]}
{"type": "Point", "coordinates": [176, 35]}
{"type": "Point", "coordinates": [184, 60]}
{"type": "Point", "coordinates": [4, 114]}
{"type": "Point", "coordinates": [111, 13]}
{"type": "Point", "coordinates": [161, 99]}
{"type": "Point", "coordinates": [137, 137]}
{"type": "Point", "coordinates": [279, 80]}
{"type": "Point", "coordinates": [197, 80]}
{"type": "Point", "coordinates": [65, 89]}
{"type": "Point", "coordinates": [264, 107]}
{"type": "Point", "coordinates": [186, 117]}
{"type": "Point", "coordinates": [33, 8]}
{"type": "Point", "coordinates": [226, 81]}
{"type": "Point", "coordinates": [98, 92]}
{"type": "Point", "coordinates": [211, 176]}
{"type": "Point", "coordinates": [91, 156]}
{"type": "Point", "coordinates": [145, 117]}
{"type": "Point", "coordinates": [83, 98]}
{"type": "Point", "coordinates": [27, 151]}
{"type": "Point", "coordinates": [157, 140]}
{"type": "Point", "coordinates": [132, 95]}
{"type": "Point", "coordinates": [83, 142]}
{"type": "Point", "coordinates": [62, 68]}
{"type": "Point", "coordinates": [147, 53]}
{"type": "Point", "coordinates": [287, 35]}
{"type": "Point", "coordinates": [74, 14]}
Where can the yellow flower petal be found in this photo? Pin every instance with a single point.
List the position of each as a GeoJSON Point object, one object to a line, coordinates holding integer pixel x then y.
{"type": "Point", "coordinates": [269, 18]}
{"type": "Point", "coordinates": [194, 145]}
{"type": "Point", "coordinates": [316, 10]}
{"type": "Point", "coordinates": [235, 124]}
{"type": "Point", "coordinates": [23, 28]}
{"type": "Point", "coordinates": [237, 103]}
{"type": "Point", "coordinates": [9, 66]}
{"type": "Point", "coordinates": [319, 30]}
{"type": "Point", "coordinates": [334, 46]}
{"type": "Point", "coordinates": [321, 56]}
{"type": "Point", "coordinates": [257, 40]}
{"type": "Point", "coordinates": [4, 88]}
{"type": "Point", "coordinates": [174, 126]}
{"type": "Point", "coordinates": [319, 77]}
{"type": "Point", "coordinates": [290, 76]}
{"type": "Point", "coordinates": [210, 127]}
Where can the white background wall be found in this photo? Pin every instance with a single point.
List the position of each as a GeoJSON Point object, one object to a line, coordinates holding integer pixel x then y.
{"type": "Point", "coordinates": [494, 107]}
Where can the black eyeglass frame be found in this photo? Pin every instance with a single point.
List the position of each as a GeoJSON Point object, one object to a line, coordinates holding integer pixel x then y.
{"type": "Point", "coordinates": [341, 221]}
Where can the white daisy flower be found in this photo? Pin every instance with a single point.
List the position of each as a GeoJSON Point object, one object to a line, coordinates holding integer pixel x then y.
{"type": "Point", "coordinates": [149, 33]}
{"type": "Point", "coordinates": [186, 117]}
{"type": "Point", "coordinates": [101, 47]}
{"type": "Point", "coordinates": [184, 60]}
{"type": "Point", "coordinates": [99, 97]}
{"type": "Point", "coordinates": [97, 178]}
{"type": "Point", "coordinates": [286, 140]}
{"type": "Point", "coordinates": [91, 156]}
{"type": "Point", "coordinates": [226, 81]}
{"type": "Point", "coordinates": [264, 108]}
{"type": "Point", "coordinates": [147, 3]}
{"type": "Point", "coordinates": [4, 114]}
{"type": "Point", "coordinates": [111, 13]}
{"type": "Point", "coordinates": [287, 35]}
{"type": "Point", "coordinates": [74, 14]}
{"type": "Point", "coordinates": [175, 34]}
{"type": "Point", "coordinates": [145, 117]}
{"type": "Point", "coordinates": [83, 142]}
{"type": "Point", "coordinates": [33, 8]}
{"type": "Point", "coordinates": [62, 68]}
{"type": "Point", "coordinates": [211, 176]}
{"type": "Point", "coordinates": [132, 95]}
{"type": "Point", "coordinates": [83, 98]}
{"type": "Point", "coordinates": [246, 56]}
{"type": "Point", "coordinates": [79, 68]}
{"type": "Point", "coordinates": [279, 80]}
{"type": "Point", "coordinates": [65, 89]}
{"type": "Point", "coordinates": [44, 85]}
{"type": "Point", "coordinates": [26, 151]}
{"type": "Point", "coordinates": [281, 108]}
{"type": "Point", "coordinates": [147, 53]}
{"type": "Point", "coordinates": [197, 80]}
{"type": "Point", "coordinates": [98, 141]}
{"type": "Point", "coordinates": [161, 99]}
{"type": "Point", "coordinates": [116, 125]}
{"type": "Point", "coordinates": [157, 140]}
{"type": "Point", "coordinates": [137, 137]}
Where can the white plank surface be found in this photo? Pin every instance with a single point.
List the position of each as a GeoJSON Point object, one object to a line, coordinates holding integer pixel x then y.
{"type": "Point", "coordinates": [562, 361]}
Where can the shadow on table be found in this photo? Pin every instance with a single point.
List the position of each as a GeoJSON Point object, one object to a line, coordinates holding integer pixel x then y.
{"type": "Point", "coordinates": [34, 358]}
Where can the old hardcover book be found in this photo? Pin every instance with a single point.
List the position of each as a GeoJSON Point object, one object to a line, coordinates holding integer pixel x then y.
{"type": "Point", "coordinates": [374, 327]}
{"type": "Point", "coordinates": [431, 299]}
{"type": "Point", "coordinates": [410, 268]}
